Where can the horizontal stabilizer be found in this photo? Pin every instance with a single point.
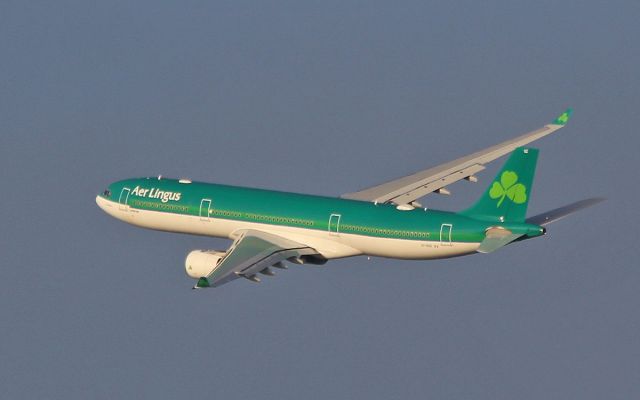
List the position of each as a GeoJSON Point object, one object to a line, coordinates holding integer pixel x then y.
{"type": "Point", "coordinates": [497, 238]}
{"type": "Point", "coordinates": [559, 213]}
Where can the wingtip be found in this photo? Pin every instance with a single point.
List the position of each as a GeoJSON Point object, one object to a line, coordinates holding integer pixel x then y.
{"type": "Point", "coordinates": [564, 117]}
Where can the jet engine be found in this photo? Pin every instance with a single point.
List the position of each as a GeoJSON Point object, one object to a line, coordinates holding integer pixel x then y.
{"type": "Point", "coordinates": [200, 263]}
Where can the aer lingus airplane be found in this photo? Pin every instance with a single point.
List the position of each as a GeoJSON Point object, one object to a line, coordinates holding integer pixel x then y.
{"type": "Point", "coordinates": [270, 227]}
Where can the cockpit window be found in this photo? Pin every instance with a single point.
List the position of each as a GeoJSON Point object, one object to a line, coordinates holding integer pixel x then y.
{"type": "Point", "coordinates": [106, 193]}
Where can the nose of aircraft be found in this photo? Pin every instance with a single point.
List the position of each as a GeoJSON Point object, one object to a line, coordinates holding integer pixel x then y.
{"type": "Point", "coordinates": [104, 201]}
{"type": "Point", "coordinates": [100, 201]}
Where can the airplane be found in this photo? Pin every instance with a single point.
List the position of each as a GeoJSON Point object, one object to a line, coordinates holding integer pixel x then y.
{"type": "Point", "coordinates": [270, 227]}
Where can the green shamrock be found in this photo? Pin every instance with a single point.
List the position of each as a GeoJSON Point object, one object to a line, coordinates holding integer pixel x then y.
{"type": "Point", "coordinates": [564, 118]}
{"type": "Point", "coordinates": [507, 187]}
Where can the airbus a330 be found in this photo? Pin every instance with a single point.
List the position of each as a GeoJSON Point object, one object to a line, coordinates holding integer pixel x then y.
{"type": "Point", "coordinates": [269, 228]}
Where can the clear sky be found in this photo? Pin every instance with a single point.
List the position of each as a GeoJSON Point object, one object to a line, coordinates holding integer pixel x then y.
{"type": "Point", "coordinates": [321, 97]}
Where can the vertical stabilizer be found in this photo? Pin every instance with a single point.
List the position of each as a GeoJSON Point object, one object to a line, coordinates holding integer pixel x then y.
{"type": "Point", "coordinates": [506, 199]}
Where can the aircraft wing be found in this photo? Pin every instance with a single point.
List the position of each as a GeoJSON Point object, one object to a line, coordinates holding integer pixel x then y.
{"type": "Point", "coordinates": [254, 252]}
{"type": "Point", "coordinates": [412, 187]}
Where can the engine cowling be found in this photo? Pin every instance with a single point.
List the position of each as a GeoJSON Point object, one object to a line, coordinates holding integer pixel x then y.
{"type": "Point", "coordinates": [200, 263]}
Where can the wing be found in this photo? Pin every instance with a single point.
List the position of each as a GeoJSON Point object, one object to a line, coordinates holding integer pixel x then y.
{"type": "Point", "coordinates": [410, 188]}
{"type": "Point", "coordinates": [253, 252]}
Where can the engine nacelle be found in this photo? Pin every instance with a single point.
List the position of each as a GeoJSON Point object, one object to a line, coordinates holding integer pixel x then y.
{"type": "Point", "coordinates": [200, 263]}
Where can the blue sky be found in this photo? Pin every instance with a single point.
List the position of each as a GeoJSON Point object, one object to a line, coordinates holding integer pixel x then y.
{"type": "Point", "coordinates": [323, 98]}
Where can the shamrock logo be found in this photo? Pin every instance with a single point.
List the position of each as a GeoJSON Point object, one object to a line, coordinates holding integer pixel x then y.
{"type": "Point", "coordinates": [564, 118]}
{"type": "Point", "coordinates": [508, 187]}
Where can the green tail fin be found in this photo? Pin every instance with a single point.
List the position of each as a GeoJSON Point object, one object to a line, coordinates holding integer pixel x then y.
{"type": "Point", "coordinates": [507, 197]}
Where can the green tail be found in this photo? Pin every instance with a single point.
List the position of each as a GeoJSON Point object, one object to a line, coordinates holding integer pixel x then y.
{"type": "Point", "coordinates": [506, 199]}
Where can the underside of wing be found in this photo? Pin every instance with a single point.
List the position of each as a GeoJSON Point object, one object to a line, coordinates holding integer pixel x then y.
{"type": "Point", "coordinates": [407, 189]}
{"type": "Point", "coordinates": [255, 252]}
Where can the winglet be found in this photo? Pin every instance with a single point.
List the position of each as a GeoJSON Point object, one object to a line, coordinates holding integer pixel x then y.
{"type": "Point", "coordinates": [563, 118]}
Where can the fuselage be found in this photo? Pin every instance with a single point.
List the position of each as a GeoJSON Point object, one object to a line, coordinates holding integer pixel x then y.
{"type": "Point", "coordinates": [334, 227]}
